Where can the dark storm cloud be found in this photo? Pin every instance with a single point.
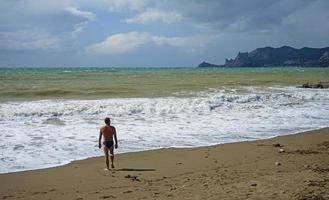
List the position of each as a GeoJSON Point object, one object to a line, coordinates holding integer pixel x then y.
{"type": "Point", "coordinates": [238, 15]}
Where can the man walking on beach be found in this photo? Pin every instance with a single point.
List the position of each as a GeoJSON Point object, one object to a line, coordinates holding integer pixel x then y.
{"type": "Point", "coordinates": [108, 132]}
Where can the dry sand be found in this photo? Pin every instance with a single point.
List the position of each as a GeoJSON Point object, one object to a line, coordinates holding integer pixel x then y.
{"type": "Point", "coordinates": [244, 170]}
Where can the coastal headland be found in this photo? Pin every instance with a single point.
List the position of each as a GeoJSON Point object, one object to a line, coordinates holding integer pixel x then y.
{"type": "Point", "coordinates": [285, 167]}
{"type": "Point", "coordinates": [278, 57]}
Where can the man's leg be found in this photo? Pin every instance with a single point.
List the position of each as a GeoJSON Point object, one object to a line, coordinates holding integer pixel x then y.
{"type": "Point", "coordinates": [112, 156]}
{"type": "Point", "coordinates": [106, 152]}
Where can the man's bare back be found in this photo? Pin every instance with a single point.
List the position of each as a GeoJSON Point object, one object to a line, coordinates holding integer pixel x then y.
{"type": "Point", "coordinates": [107, 132]}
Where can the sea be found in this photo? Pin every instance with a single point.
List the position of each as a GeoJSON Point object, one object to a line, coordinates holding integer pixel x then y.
{"type": "Point", "coordinates": [52, 116]}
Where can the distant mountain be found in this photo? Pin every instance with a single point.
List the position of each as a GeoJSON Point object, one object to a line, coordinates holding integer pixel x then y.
{"type": "Point", "coordinates": [283, 56]}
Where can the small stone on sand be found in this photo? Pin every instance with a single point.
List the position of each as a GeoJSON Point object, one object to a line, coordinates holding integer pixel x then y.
{"type": "Point", "coordinates": [277, 163]}
{"type": "Point", "coordinates": [281, 150]}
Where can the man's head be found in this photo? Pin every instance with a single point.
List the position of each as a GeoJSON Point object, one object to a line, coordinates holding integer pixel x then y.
{"type": "Point", "coordinates": [107, 120]}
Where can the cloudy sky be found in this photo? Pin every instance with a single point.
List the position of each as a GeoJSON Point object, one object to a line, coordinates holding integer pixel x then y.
{"type": "Point", "coordinates": [153, 33]}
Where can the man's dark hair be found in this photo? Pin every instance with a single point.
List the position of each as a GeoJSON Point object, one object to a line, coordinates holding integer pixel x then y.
{"type": "Point", "coordinates": [107, 120]}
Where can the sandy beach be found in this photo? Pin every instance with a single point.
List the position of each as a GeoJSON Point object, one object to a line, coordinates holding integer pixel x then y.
{"type": "Point", "coordinates": [244, 170]}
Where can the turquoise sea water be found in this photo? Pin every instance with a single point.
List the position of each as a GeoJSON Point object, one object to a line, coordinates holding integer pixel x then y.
{"type": "Point", "coordinates": [95, 83]}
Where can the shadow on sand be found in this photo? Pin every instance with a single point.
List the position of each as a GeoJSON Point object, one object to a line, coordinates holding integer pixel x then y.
{"type": "Point", "coordinates": [135, 170]}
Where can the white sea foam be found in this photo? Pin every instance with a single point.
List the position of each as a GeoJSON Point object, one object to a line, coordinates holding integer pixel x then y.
{"type": "Point", "coordinates": [38, 134]}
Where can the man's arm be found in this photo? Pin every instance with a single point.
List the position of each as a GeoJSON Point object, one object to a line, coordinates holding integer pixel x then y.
{"type": "Point", "coordinates": [100, 138]}
{"type": "Point", "coordinates": [115, 138]}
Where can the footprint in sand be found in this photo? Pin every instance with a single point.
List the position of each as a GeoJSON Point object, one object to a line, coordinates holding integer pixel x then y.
{"type": "Point", "coordinates": [35, 193]}
{"type": "Point", "coordinates": [173, 188]}
{"type": "Point", "coordinates": [106, 172]}
{"type": "Point", "coordinates": [5, 197]}
{"type": "Point", "coordinates": [107, 197]}
{"type": "Point", "coordinates": [207, 154]}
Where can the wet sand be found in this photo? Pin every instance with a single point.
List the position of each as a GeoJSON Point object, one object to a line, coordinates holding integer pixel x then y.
{"type": "Point", "coordinates": [243, 170]}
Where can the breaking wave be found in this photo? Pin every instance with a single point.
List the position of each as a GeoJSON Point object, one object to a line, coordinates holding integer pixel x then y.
{"type": "Point", "coordinates": [35, 134]}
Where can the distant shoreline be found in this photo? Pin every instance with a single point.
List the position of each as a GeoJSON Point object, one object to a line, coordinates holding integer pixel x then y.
{"type": "Point", "coordinates": [123, 68]}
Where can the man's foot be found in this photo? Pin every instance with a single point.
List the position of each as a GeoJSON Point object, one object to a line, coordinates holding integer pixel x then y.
{"type": "Point", "coordinates": [106, 169]}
